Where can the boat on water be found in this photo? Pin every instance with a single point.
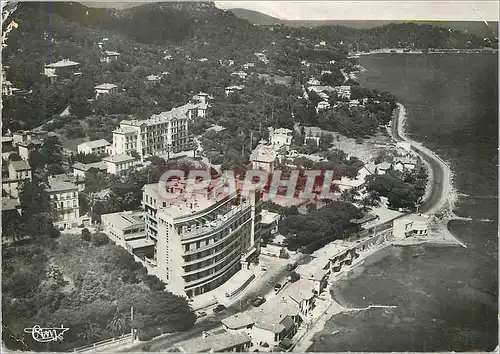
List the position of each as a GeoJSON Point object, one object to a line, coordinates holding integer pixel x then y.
{"type": "Point", "coordinates": [416, 255]}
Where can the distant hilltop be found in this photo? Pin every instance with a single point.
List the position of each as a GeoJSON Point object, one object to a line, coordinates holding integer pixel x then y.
{"type": "Point", "coordinates": [477, 28]}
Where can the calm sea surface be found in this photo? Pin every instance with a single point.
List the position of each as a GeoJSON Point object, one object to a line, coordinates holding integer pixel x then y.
{"type": "Point", "coordinates": [447, 297]}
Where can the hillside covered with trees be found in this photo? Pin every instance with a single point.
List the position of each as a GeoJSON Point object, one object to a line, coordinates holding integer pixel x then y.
{"type": "Point", "coordinates": [183, 32]}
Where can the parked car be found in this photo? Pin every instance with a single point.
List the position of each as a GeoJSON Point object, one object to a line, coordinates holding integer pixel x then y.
{"type": "Point", "coordinates": [291, 266]}
{"type": "Point", "coordinates": [277, 287]}
{"type": "Point", "coordinates": [293, 277]}
{"type": "Point", "coordinates": [201, 314]}
{"type": "Point", "coordinates": [259, 300]}
{"type": "Point", "coordinates": [263, 268]}
{"type": "Point", "coordinates": [219, 308]}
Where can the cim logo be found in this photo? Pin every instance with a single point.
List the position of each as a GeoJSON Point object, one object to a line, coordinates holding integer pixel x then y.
{"type": "Point", "coordinates": [45, 335]}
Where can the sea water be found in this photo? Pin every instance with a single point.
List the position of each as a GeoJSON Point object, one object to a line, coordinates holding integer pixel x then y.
{"type": "Point", "coordinates": [446, 297]}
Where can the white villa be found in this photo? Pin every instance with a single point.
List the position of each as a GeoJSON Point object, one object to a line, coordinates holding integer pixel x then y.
{"type": "Point", "coordinates": [343, 91]}
{"type": "Point", "coordinates": [230, 89]}
{"type": "Point", "coordinates": [118, 164]}
{"type": "Point", "coordinates": [105, 89]}
{"type": "Point", "coordinates": [97, 147]}
{"type": "Point", "coordinates": [108, 56]}
{"type": "Point", "coordinates": [263, 157]}
{"type": "Point", "coordinates": [322, 105]}
{"type": "Point", "coordinates": [280, 137]}
{"type": "Point", "coordinates": [63, 68]}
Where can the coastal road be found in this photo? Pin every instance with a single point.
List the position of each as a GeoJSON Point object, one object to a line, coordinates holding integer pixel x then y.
{"type": "Point", "coordinates": [265, 286]}
{"type": "Point", "coordinates": [439, 175]}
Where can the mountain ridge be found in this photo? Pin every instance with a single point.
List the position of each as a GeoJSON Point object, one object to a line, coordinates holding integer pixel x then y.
{"type": "Point", "coordinates": [258, 18]}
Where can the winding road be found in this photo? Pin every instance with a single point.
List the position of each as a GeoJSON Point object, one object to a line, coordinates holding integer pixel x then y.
{"type": "Point", "coordinates": [439, 174]}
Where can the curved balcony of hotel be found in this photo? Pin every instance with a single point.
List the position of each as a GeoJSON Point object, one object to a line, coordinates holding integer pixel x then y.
{"type": "Point", "coordinates": [199, 231]}
{"type": "Point", "coordinates": [215, 278]}
{"type": "Point", "coordinates": [232, 238]}
{"type": "Point", "coordinates": [224, 259]}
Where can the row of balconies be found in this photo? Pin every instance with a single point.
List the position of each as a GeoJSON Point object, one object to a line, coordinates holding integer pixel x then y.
{"type": "Point", "coordinates": [216, 274]}
{"type": "Point", "coordinates": [227, 243]}
{"type": "Point", "coordinates": [230, 252]}
{"type": "Point", "coordinates": [213, 245]}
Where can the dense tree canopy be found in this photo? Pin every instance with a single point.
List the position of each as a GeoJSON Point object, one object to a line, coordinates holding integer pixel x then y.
{"type": "Point", "coordinates": [319, 227]}
{"type": "Point", "coordinates": [94, 301]}
{"type": "Point", "coordinates": [403, 190]}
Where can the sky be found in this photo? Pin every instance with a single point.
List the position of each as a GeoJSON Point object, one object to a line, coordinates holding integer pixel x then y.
{"type": "Point", "coordinates": [456, 10]}
{"type": "Point", "coordinates": [372, 10]}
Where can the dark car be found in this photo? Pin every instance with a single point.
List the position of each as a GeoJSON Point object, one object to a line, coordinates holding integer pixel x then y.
{"type": "Point", "coordinates": [293, 277]}
{"type": "Point", "coordinates": [277, 287]}
{"type": "Point", "coordinates": [291, 266]}
{"type": "Point", "coordinates": [219, 308]}
{"type": "Point", "coordinates": [259, 300]}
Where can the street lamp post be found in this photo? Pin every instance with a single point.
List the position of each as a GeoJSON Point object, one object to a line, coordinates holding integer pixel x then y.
{"type": "Point", "coordinates": [131, 321]}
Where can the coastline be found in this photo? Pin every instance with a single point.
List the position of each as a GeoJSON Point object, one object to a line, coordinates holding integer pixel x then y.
{"type": "Point", "coordinates": [438, 228]}
{"type": "Point", "coordinates": [335, 307]}
{"type": "Point", "coordinates": [450, 194]}
{"type": "Point", "coordinates": [442, 209]}
{"type": "Point", "coordinates": [432, 51]}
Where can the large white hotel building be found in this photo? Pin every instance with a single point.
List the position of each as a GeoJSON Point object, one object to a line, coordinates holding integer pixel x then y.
{"type": "Point", "coordinates": [162, 133]}
{"type": "Point", "coordinates": [201, 241]}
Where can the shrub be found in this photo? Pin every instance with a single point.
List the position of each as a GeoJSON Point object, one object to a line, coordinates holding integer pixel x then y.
{"type": "Point", "coordinates": [148, 334]}
{"type": "Point", "coordinates": [100, 239]}
{"type": "Point", "coordinates": [86, 234]}
{"type": "Point", "coordinates": [154, 283]}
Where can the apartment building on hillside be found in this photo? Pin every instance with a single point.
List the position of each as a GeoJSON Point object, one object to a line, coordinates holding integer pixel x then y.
{"type": "Point", "coordinates": [203, 240]}
{"type": "Point", "coordinates": [19, 172]}
{"type": "Point", "coordinates": [162, 133]}
{"type": "Point", "coordinates": [64, 199]}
